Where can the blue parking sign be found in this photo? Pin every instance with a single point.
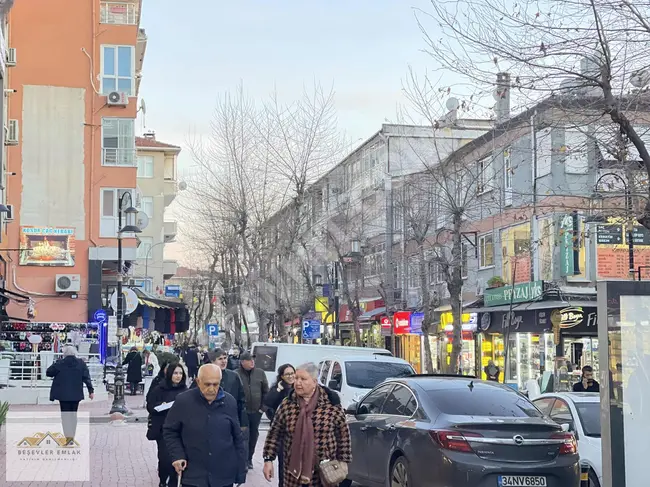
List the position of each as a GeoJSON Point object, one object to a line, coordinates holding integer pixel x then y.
{"type": "Point", "coordinates": [311, 329]}
{"type": "Point", "coordinates": [212, 329]}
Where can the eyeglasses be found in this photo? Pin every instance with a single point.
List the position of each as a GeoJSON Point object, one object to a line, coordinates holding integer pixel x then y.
{"type": "Point", "coordinates": [289, 374]}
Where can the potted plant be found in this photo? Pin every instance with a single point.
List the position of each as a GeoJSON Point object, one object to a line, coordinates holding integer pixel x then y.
{"type": "Point", "coordinates": [495, 281]}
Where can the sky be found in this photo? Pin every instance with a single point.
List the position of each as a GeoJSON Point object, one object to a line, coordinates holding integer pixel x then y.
{"type": "Point", "coordinates": [199, 49]}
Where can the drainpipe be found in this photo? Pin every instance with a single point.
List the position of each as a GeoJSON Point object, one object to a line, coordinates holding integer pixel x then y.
{"type": "Point", "coordinates": [91, 183]}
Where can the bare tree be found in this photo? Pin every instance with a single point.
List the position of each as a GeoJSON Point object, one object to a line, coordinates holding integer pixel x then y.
{"type": "Point", "coordinates": [595, 50]}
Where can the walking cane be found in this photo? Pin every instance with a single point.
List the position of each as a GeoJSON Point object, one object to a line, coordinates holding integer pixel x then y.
{"type": "Point", "coordinates": [180, 481]}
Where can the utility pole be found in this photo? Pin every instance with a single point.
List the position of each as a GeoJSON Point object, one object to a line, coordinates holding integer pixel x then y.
{"type": "Point", "coordinates": [388, 281]}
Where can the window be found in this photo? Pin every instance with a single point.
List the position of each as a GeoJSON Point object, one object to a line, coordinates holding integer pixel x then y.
{"type": "Point", "coordinates": [589, 414]}
{"type": "Point", "coordinates": [145, 166]}
{"type": "Point", "coordinates": [507, 176]}
{"type": "Point", "coordinates": [366, 375]}
{"type": "Point", "coordinates": [265, 357]}
{"type": "Point", "coordinates": [337, 377]}
{"type": "Point", "coordinates": [118, 142]}
{"type": "Point", "coordinates": [144, 249]}
{"type": "Point", "coordinates": [108, 210]}
{"type": "Point", "coordinates": [561, 413]}
{"type": "Point", "coordinates": [324, 373]}
{"type": "Point", "coordinates": [574, 149]}
{"type": "Point", "coordinates": [482, 400]}
{"type": "Point", "coordinates": [400, 402]}
{"type": "Point", "coordinates": [413, 272]}
{"type": "Point", "coordinates": [485, 175]}
{"type": "Point", "coordinates": [544, 150]}
{"type": "Point", "coordinates": [144, 284]}
{"type": "Point", "coordinates": [374, 401]}
{"type": "Point", "coordinates": [544, 405]}
{"type": "Point", "coordinates": [118, 69]}
{"type": "Point", "coordinates": [485, 251]}
{"type": "Point", "coordinates": [463, 260]}
{"type": "Point", "coordinates": [146, 206]}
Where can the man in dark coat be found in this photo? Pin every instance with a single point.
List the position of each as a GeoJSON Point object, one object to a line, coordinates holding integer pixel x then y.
{"type": "Point", "coordinates": [203, 435]}
{"type": "Point", "coordinates": [134, 370]}
{"type": "Point", "coordinates": [70, 374]}
{"type": "Point", "coordinates": [191, 359]}
{"type": "Point", "coordinates": [255, 388]}
{"type": "Point", "coordinates": [231, 383]}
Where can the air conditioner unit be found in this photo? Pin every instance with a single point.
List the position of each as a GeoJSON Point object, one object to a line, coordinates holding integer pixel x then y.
{"type": "Point", "coordinates": [68, 283]}
{"type": "Point", "coordinates": [11, 56]}
{"type": "Point", "coordinates": [9, 215]}
{"type": "Point", "coordinates": [11, 132]}
{"type": "Point", "coordinates": [117, 99]}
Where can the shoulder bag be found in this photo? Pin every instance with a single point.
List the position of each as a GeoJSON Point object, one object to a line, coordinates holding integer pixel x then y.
{"type": "Point", "coordinates": [333, 472]}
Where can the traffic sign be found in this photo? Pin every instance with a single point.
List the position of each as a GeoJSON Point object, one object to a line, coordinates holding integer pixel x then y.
{"type": "Point", "coordinates": [212, 329]}
{"type": "Point", "coordinates": [311, 329]}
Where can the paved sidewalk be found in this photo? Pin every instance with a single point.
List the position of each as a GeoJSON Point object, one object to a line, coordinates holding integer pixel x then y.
{"type": "Point", "coordinates": [121, 456]}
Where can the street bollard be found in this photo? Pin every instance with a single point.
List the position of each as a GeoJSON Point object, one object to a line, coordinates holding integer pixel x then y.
{"type": "Point", "coordinates": [584, 474]}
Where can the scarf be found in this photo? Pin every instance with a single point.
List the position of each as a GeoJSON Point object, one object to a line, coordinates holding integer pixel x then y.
{"type": "Point", "coordinates": [303, 455]}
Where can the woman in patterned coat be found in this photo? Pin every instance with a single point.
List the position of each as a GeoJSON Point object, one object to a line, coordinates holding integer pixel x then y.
{"type": "Point", "coordinates": [310, 425]}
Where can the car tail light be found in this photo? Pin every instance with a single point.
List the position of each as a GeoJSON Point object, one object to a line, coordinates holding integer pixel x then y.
{"type": "Point", "coordinates": [569, 446]}
{"type": "Point", "coordinates": [453, 440]}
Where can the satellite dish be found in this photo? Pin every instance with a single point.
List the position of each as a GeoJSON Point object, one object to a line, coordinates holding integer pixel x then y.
{"type": "Point", "coordinates": [142, 220]}
{"type": "Point", "coordinates": [640, 79]}
{"type": "Point", "coordinates": [182, 186]}
{"type": "Point", "coordinates": [452, 104]}
{"type": "Point", "coordinates": [143, 107]}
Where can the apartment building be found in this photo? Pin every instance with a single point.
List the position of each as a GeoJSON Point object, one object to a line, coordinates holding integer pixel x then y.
{"type": "Point", "coordinates": [72, 109]}
{"type": "Point", "coordinates": [157, 188]}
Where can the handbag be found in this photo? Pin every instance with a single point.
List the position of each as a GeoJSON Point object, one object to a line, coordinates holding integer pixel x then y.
{"type": "Point", "coordinates": [333, 472]}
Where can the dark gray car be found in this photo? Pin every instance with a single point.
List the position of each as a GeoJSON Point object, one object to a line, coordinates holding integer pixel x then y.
{"type": "Point", "coordinates": [441, 431]}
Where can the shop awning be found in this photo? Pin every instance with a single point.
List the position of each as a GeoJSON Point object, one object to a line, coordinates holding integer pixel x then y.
{"type": "Point", "coordinates": [372, 315]}
{"type": "Point", "coordinates": [146, 299]}
{"type": "Point", "coordinates": [580, 303]}
{"type": "Point", "coordinates": [447, 307]}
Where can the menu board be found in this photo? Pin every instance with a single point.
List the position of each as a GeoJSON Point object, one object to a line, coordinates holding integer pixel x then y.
{"type": "Point", "coordinates": [613, 262]}
{"type": "Point", "coordinates": [609, 234]}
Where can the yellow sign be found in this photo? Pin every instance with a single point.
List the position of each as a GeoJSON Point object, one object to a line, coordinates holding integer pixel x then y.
{"type": "Point", "coordinates": [322, 306]}
{"type": "Point", "coordinates": [447, 318]}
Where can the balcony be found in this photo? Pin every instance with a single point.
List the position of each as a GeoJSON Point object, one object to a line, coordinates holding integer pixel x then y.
{"type": "Point", "coordinates": [169, 269]}
{"type": "Point", "coordinates": [170, 230]}
{"type": "Point", "coordinates": [170, 190]}
{"type": "Point", "coordinates": [119, 13]}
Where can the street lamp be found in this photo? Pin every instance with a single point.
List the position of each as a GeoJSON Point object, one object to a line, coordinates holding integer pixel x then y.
{"type": "Point", "coordinates": [130, 217]}
{"type": "Point", "coordinates": [628, 209]}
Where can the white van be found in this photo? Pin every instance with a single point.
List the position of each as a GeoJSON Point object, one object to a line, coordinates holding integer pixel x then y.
{"type": "Point", "coordinates": [269, 356]}
{"type": "Point", "coordinates": [354, 376]}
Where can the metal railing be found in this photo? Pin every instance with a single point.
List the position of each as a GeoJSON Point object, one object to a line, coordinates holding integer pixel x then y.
{"type": "Point", "coordinates": [119, 157]}
{"type": "Point", "coordinates": [122, 13]}
{"type": "Point", "coordinates": [28, 369]}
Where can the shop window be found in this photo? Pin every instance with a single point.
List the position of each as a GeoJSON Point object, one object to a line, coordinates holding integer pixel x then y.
{"type": "Point", "coordinates": [145, 166]}
{"type": "Point", "coordinates": [118, 142]}
{"type": "Point", "coordinates": [373, 403]}
{"type": "Point", "coordinates": [400, 402]}
{"type": "Point", "coordinates": [486, 251]}
{"type": "Point", "coordinates": [118, 69]}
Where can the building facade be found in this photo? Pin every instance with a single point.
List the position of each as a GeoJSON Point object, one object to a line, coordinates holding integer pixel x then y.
{"type": "Point", "coordinates": [157, 188]}
{"type": "Point", "coordinates": [72, 105]}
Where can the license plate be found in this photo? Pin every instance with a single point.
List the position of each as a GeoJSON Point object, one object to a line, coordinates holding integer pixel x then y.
{"type": "Point", "coordinates": [521, 481]}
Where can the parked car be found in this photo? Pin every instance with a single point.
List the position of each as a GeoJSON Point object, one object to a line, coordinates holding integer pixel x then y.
{"type": "Point", "coordinates": [269, 356]}
{"type": "Point", "coordinates": [580, 413]}
{"type": "Point", "coordinates": [441, 431]}
{"type": "Point", "coordinates": [354, 376]}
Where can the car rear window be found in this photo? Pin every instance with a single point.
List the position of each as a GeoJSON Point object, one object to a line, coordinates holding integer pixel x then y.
{"type": "Point", "coordinates": [366, 375]}
{"type": "Point", "coordinates": [478, 399]}
{"type": "Point", "coordinates": [265, 357]}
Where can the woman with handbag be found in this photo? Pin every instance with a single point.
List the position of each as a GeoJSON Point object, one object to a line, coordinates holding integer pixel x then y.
{"type": "Point", "coordinates": [310, 426]}
{"type": "Point", "coordinates": [165, 393]}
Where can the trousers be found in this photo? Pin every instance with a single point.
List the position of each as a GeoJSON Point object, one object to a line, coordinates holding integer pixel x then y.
{"type": "Point", "coordinates": [253, 433]}
{"type": "Point", "coordinates": [165, 468]}
{"type": "Point", "coordinates": [69, 417]}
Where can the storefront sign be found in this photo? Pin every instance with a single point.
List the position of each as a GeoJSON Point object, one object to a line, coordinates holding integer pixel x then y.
{"type": "Point", "coordinates": [415, 326]}
{"type": "Point", "coordinates": [47, 246]}
{"type": "Point", "coordinates": [173, 291]}
{"type": "Point", "coordinates": [519, 293]}
{"type": "Point", "coordinates": [386, 328]}
{"type": "Point", "coordinates": [574, 316]}
{"type": "Point", "coordinates": [401, 320]}
{"type": "Point", "coordinates": [100, 316]}
{"type": "Point", "coordinates": [541, 321]}
{"type": "Point", "coordinates": [129, 302]}
{"type": "Point", "coordinates": [566, 246]}
{"type": "Point", "coordinates": [486, 321]}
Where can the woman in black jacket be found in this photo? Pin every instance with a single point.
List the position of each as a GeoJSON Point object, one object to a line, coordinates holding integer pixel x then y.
{"type": "Point", "coordinates": [157, 380]}
{"type": "Point", "coordinates": [277, 392]}
{"type": "Point", "coordinates": [134, 370]}
{"type": "Point", "coordinates": [165, 393]}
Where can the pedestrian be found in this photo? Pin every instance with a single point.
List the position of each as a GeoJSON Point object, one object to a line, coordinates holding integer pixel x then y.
{"type": "Point", "coordinates": [255, 387]}
{"type": "Point", "coordinates": [587, 382]}
{"type": "Point", "coordinates": [134, 370]}
{"type": "Point", "coordinates": [492, 371]}
{"type": "Point", "coordinates": [311, 427]}
{"type": "Point", "coordinates": [206, 356]}
{"type": "Point", "coordinates": [191, 359]}
{"type": "Point", "coordinates": [277, 393]}
{"type": "Point", "coordinates": [233, 359]}
{"type": "Point", "coordinates": [164, 393]}
{"type": "Point", "coordinates": [151, 370]}
{"type": "Point", "coordinates": [69, 376]}
{"type": "Point", "coordinates": [203, 436]}
{"type": "Point", "coordinates": [231, 383]}
{"type": "Point", "coordinates": [158, 379]}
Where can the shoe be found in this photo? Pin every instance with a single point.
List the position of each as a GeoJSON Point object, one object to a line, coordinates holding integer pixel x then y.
{"type": "Point", "coordinates": [250, 465]}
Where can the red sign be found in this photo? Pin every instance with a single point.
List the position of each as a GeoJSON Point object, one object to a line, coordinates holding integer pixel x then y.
{"type": "Point", "coordinates": [402, 320]}
{"type": "Point", "coordinates": [385, 322]}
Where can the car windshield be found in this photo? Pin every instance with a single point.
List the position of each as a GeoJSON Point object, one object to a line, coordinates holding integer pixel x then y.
{"type": "Point", "coordinates": [589, 413]}
{"type": "Point", "coordinates": [483, 400]}
{"type": "Point", "coordinates": [366, 375]}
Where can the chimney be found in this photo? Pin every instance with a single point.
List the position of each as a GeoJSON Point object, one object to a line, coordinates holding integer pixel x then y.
{"type": "Point", "coordinates": [502, 97]}
{"type": "Point", "coordinates": [150, 134]}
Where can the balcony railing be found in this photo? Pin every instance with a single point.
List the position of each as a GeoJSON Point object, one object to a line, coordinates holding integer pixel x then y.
{"type": "Point", "coordinates": [122, 13]}
{"type": "Point", "coordinates": [119, 157]}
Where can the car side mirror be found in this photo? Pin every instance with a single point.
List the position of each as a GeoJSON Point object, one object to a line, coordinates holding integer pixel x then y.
{"type": "Point", "coordinates": [334, 385]}
{"type": "Point", "coordinates": [352, 409]}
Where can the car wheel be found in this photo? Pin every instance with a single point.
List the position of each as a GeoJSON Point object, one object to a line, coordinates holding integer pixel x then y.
{"type": "Point", "coordinates": [399, 474]}
{"type": "Point", "coordinates": [593, 479]}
